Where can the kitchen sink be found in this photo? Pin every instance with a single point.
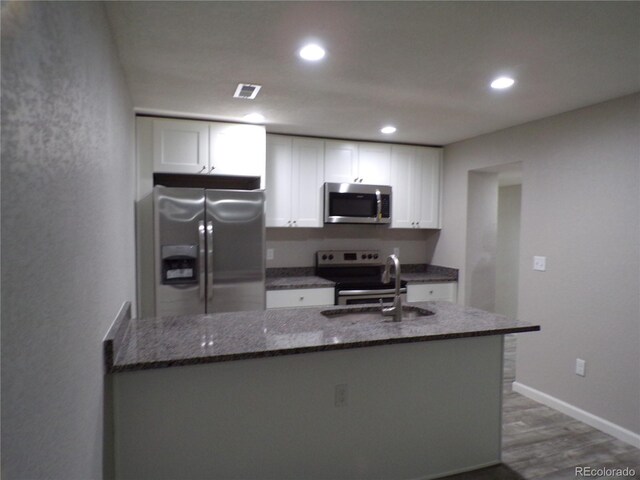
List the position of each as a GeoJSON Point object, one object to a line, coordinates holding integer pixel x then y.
{"type": "Point", "coordinates": [369, 313]}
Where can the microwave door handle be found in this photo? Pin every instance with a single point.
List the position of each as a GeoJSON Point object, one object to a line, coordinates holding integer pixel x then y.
{"type": "Point", "coordinates": [201, 254]}
{"type": "Point", "coordinates": [210, 259]}
{"type": "Point", "coordinates": [378, 205]}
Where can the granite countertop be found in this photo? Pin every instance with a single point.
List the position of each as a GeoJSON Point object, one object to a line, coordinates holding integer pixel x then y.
{"type": "Point", "coordinates": [306, 281]}
{"type": "Point", "coordinates": [157, 342]}
{"type": "Point", "coordinates": [303, 277]}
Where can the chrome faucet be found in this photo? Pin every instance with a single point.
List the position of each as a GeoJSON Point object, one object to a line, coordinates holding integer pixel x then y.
{"type": "Point", "coordinates": [396, 308]}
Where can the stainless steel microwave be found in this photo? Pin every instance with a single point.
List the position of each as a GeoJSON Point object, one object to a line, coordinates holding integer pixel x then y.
{"type": "Point", "coordinates": [357, 203]}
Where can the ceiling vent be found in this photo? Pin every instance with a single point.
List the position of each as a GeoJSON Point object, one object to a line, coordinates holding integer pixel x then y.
{"type": "Point", "coordinates": [247, 91]}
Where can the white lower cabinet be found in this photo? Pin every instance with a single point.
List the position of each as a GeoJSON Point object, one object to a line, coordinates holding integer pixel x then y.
{"type": "Point", "coordinates": [424, 292]}
{"type": "Point", "coordinates": [300, 297]}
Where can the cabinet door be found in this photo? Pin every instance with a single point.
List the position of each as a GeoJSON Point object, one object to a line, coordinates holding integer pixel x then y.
{"type": "Point", "coordinates": [279, 181]}
{"type": "Point", "coordinates": [340, 161]}
{"type": "Point", "coordinates": [180, 146]}
{"type": "Point", "coordinates": [402, 183]}
{"type": "Point", "coordinates": [374, 163]}
{"type": "Point", "coordinates": [308, 176]}
{"type": "Point", "coordinates": [430, 160]}
{"type": "Point", "coordinates": [237, 149]}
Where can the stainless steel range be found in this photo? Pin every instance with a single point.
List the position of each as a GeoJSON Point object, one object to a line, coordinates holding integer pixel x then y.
{"type": "Point", "coordinates": [358, 276]}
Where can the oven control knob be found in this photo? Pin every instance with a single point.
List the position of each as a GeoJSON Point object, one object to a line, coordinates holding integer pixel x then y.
{"type": "Point", "coordinates": [375, 255]}
{"type": "Point", "coordinates": [370, 256]}
{"type": "Point", "coordinates": [330, 257]}
{"type": "Point", "coordinates": [364, 256]}
{"type": "Point", "coordinates": [324, 257]}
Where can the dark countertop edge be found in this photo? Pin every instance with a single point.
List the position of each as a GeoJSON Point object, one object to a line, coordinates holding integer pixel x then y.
{"type": "Point", "coordinates": [115, 335]}
{"type": "Point", "coordinates": [294, 286]}
{"type": "Point", "coordinates": [314, 348]}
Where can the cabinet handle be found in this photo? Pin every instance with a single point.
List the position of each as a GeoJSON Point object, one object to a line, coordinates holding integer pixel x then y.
{"type": "Point", "coordinates": [202, 170]}
{"type": "Point", "coordinates": [295, 224]}
{"type": "Point", "coordinates": [301, 299]}
{"type": "Point", "coordinates": [211, 169]}
{"type": "Point", "coordinates": [361, 180]}
{"type": "Point", "coordinates": [355, 180]}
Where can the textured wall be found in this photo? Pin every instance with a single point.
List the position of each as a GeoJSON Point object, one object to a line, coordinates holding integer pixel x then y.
{"type": "Point", "coordinates": [67, 232]}
{"type": "Point", "coordinates": [581, 209]}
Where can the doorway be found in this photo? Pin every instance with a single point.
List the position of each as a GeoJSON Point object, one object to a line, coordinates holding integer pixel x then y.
{"type": "Point", "coordinates": [493, 238]}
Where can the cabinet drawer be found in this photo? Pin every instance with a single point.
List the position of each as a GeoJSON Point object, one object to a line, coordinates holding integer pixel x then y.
{"type": "Point", "coordinates": [424, 292]}
{"type": "Point", "coordinates": [300, 297]}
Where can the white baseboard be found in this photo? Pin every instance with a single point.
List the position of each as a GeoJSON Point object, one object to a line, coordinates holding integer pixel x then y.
{"type": "Point", "coordinates": [601, 424]}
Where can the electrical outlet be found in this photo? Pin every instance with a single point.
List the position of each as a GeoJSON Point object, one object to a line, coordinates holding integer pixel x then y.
{"type": "Point", "coordinates": [396, 251]}
{"type": "Point", "coordinates": [340, 396]}
{"type": "Point", "coordinates": [580, 366]}
{"type": "Point", "coordinates": [269, 253]}
{"type": "Point", "coordinates": [540, 264]}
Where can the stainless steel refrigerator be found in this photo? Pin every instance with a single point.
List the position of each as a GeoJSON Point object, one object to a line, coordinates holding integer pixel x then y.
{"type": "Point", "coordinates": [209, 250]}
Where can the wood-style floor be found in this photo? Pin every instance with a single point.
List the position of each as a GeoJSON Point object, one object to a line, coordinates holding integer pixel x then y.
{"type": "Point", "coordinates": [539, 442]}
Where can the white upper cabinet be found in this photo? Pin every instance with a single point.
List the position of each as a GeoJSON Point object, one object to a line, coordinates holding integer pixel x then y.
{"type": "Point", "coordinates": [294, 179]}
{"type": "Point", "coordinates": [279, 180]}
{"type": "Point", "coordinates": [189, 146]}
{"type": "Point", "coordinates": [180, 146]}
{"type": "Point", "coordinates": [415, 173]}
{"type": "Point", "coordinates": [357, 162]}
{"type": "Point", "coordinates": [430, 163]}
{"type": "Point", "coordinates": [374, 163]}
{"type": "Point", "coordinates": [237, 149]}
{"type": "Point", "coordinates": [340, 161]}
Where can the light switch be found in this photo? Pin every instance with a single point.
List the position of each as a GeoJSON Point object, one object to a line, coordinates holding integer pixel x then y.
{"type": "Point", "coordinates": [540, 263]}
{"type": "Point", "coordinates": [269, 253]}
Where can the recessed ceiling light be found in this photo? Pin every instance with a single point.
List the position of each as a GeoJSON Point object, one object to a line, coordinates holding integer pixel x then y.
{"type": "Point", "coordinates": [312, 52]}
{"type": "Point", "coordinates": [254, 118]}
{"type": "Point", "coordinates": [388, 129]}
{"type": "Point", "coordinates": [502, 82]}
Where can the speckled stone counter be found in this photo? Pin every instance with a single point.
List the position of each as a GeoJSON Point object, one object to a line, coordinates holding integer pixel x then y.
{"type": "Point", "coordinates": [294, 277]}
{"type": "Point", "coordinates": [303, 277]}
{"type": "Point", "coordinates": [172, 341]}
{"type": "Point", "coordinates": [422, 273]}
{"type": "Point", "coordinates": [287, 283]}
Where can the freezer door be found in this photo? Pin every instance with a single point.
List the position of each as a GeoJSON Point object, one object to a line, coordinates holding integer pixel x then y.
{"type": "Point", "coordinates": [180, 233]}
{"type": "Point", "coordinates": [236, 242]}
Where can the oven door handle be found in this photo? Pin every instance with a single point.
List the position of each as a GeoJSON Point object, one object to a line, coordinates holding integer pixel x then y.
{"type": "Point", "coordinates": [355, 293]}
{"type": "Point", "coordinates": [378, 205]}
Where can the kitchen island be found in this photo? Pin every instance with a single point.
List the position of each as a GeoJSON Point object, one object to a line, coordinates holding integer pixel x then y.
{"type": "Point", "coordinates": [294, 393]}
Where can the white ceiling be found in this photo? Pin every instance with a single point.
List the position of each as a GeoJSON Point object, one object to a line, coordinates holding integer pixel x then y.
{"type": "Point", "coordinates": [424, 67]}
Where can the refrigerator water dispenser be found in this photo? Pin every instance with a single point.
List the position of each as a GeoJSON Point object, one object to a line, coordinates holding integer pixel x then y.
{"type": "Point", "coordinates": [179, 264]}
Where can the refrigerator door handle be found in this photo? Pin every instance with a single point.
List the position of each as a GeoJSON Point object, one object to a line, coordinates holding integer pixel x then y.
{"type": "Point", "coordinates": [210, 260]}
{"type": "Point", "coordinates": [201, 253]}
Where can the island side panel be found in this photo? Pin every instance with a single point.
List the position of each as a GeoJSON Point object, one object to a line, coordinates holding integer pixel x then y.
{"type": "Point", "coordinates": [415, 410]}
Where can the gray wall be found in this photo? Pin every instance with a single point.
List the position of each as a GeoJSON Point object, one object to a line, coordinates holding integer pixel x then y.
{"type": "Point", "coordinates": [67, 232]}
{"type": "Point", "coordinates": [296, 247]}
{"type": "Point", "coordinates": [581, 209]}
